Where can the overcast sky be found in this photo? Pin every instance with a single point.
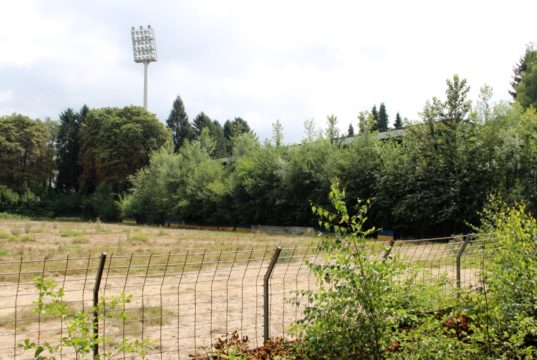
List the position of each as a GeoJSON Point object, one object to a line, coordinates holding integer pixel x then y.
{"type": "Point", "coordinates": [260, 60]}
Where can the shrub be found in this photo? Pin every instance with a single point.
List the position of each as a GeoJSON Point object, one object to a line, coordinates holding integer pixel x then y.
{"type": "Point", "coordinates": [8, 199]}
{"type": "Point", "coordinates": [507, 306]}
{"type": "Point", "coordinates": [362, 298]}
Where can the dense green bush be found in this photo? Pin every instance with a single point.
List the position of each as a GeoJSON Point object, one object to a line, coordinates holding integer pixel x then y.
{"type": "Point", "coordinates": [25, 202]}
{"type": "Point", "coordinates": [9, 199]}
{"type": "Point", "coordinates": [363, 299]}
{"type": "Point", "coordinates": [508, 305]}
{"type": "Point", "coordinates": [188, 186]}
{"type": "Point", "coordinates": [368, 307]}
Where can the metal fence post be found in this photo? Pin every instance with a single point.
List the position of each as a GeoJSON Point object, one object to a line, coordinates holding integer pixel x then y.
{"type": "Point", "coordinates": [96, 287]}
{"type": "Point", "coordinates": [266, 302]}
{"type": "Point", "coordinates": [388, 250]}
{"type": "Point", "coordinates": [459, 256]}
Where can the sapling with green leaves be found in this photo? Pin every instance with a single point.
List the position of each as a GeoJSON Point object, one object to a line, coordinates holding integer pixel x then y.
{"type": "Point", "coordinates": [362, 297]}
{"type": "Point", "coordinates": [79, 326]}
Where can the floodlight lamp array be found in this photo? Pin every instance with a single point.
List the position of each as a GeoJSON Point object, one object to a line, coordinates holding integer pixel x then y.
{"type": "Point", "coordinates": [143, 44]}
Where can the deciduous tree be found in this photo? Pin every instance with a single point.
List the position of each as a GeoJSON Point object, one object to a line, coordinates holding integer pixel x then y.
{"type": "Point", "coordinates": [457, 106]}
{"type": "Point", "coordinates": [115, 143]}
{"type": "Point", "coordinates": [24, 152]}
{"type": "Point", "coordinates": [277, 133]}
{"type": "Point", "coordinates": [332, 132]}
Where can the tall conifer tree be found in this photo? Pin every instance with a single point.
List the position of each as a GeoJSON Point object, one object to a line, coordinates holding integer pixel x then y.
{"type": "Point", "coordinates": [382, 118]}
{"type": "Point", "coordinates": [179, 124]}
{"type": "Point", "coordinates": [375, 116]}
{"type": "Point", "coordinates": [68, 145]}
{"type": "Point", "coordinates": [350, 132]}
{"type": "Point", "coordinates": [398, 122]}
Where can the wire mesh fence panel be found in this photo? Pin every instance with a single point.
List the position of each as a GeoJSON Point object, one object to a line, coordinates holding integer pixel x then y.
{"type": "Point", "coordinates": [474, 260]}
{"type": "Point", "coordinates": [290, 277]}
{"type": "Point", "coordinates": [435, 258]}
{"type": "Point", "coordinates": [180, 303]}
{"type": "Point", "coordinates": [20, 318]}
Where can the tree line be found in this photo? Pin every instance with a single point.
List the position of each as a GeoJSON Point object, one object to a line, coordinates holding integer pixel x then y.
{"type": "Point", "coordinates": [433, 180]}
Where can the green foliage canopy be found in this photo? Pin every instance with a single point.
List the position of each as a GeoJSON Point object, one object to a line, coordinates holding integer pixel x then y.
{"type": "Point", "coordinates": [25, 152]}
{"type": "Point", "coordinates": [115, 143]}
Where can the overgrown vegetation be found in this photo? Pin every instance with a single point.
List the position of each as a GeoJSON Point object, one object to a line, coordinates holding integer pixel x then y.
{"type": "Point", "coordinates": [429, 177]}
{"type": "Point", "coordinates": [372, 307]}
{"type": "Point", "coordinates": [365, 301]}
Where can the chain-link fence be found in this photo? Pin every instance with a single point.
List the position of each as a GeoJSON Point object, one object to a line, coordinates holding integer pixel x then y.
{"type": "Point", "coordinates": [182, 302]}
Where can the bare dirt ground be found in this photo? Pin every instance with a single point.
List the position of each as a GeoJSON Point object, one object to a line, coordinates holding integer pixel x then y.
{"type": "Point", "coordinates": [179, 312]}
{"type": "Point", "coordinates": [188, 287]}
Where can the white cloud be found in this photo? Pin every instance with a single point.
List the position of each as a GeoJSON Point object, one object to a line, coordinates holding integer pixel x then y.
{"type": "Point", "coordinates": [286, 60]}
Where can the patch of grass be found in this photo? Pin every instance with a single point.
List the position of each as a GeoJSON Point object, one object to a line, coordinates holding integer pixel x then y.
{"type": "Point", "coordinates": [149, 316]}
{"type": "Point", "coordinates": [26, 317]}
{"type": "Point", "coordinates": [4, 251]}
{"type": "Point", "coordinates": [80, 240]}
{"type": "Point", "coordinates": [29, 229]}
{"type": "Point", "coordinates": [139, 237]}
{"type": "Point", "coordinates": [124, 239]}
{"type": "Point", "coordinates": [69, 233]}
{"type": "Point", "coordinates": [100, 229]}
{"type": "Point", "coordinates": [27, 238]}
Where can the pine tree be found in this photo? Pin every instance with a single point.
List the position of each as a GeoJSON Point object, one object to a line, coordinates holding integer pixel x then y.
{"type": "Point", "coordinates": [350, 132]}
{"type": "Point", "coordinates": [382, 118]}
{"type": "Point", "coordinates": [68, 146]}
{"type": "Point", "coordinates": [217, 133]}
{"type": "Point", "coordinates": [233, 129]}
{"type": "Point", "coordinates": [518, 70]}
{"type": "Point", "coordinates": [236, 127]}
{"type": "Point", "coordinates": [529, 58]}
{"type": "Point", "coordinates": [200, 122]}
{"type": "Point", "coordinates": [179, 124]}
{"type": "Point", "coordinates": [398, 122]}
{"type": "Point", "coordinates": [525, 79]}
{"type": "Point", "coordinates": [375, 115]}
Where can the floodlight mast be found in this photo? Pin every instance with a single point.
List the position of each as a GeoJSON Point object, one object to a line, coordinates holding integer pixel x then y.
{"type": "Point", "coordinates": [144, 48]}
